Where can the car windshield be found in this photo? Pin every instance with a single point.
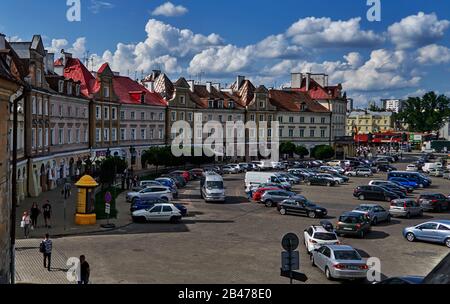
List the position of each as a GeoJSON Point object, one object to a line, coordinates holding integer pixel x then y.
{"type": "Point", "coordinates": [350, 219]}
{"type": "Point", "coordinates": [346, 255]}
{"type": "Point", "coordinates": [364, 208]}
{"type": "Point", "coordinates": [214, 185]}
{"type": "Point", "coordinates": [325, 236]}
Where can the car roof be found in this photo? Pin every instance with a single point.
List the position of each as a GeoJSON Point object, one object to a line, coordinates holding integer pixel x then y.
{"type": "Point", "coordinates": [320, 229]}
{"type": "Point", "coordinates": [445, 222]}
{"type": "Point", "coordinates": [351, 213]}
{"type": "Point", "coordinates": [341, 247]}
{"type": "Point", "coordinates": [368, 205]}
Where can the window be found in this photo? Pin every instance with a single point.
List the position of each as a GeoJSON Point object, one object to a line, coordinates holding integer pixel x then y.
{"type": "Point", "coordinates": [123, 134]}
{"type": "Point", "coordinates": [239, 118]}
{"type": "Point", "coordinates": [52, 136]}
{"type": "Point", "coordinates": [230, 117]}
{"type": "Point", "coordinates": [443, 228]}
{"type": "Point", "coordinates": [161, 133]}
{"type": "Point", "coordinates": [61, 86]}
{"type": "Point", "coordinates": [77, 136]}
{"type": "Point", "coordinates": [98, 135]}
{"type": "Point", "coordinates": [98, 112]}
{"type": "Point", "coordinates": [77, 112]}
{"type": "Point", "coordinates": [39, 139]}
{"type": "Point", "coordinates": [270, 118]}
{"type": "Point", "coordinates": [69, 111]}
{"type": "Point", "coordinates": [323, 120]}
{"type": "Point", "coordinates": [231, 105]}
{"type": "Point", "coordinates": [220, 118]}
{"type": "Point", "coordinates": [114, 113]}
{"type": "Point", "coordinates": [106, 92]}
{"type": "Point", "coordinates": [322, 133]}
{"type": "Point", "coordinates": [281, 132]}
{"type": "Point", "coordinates": [302, 132]}
{"type": "Point", "coordinates": [252, 117]}
{"type": "Point", "coordinates": [122, 115]}
{"type": "Point", "coordinates": [174, 116]}
{"type": "Point", "coordinates": [269, 132]}
{"type": "Point", "coordinates": [39, 76]}
{"type": "Point", "coordinates": [220, 104]}
{"type": "Point", "coordinates": [142, 116]}
{"type": "Point", "coordinates": [302, 119]}
{"type": "Point", "coordinates": [291, 132]}
{"type": "Point", "coordinates": [46, 107]}
{"type": "Point", "coordinates": [39, 106]}
{"type": "Point", "coordinates": [210, 117]}
{"type": "Point", "coordinates": [106, 113]}
{"type": "Point", "coordinates": [143, 134]}
{"type": "Point", "coordinates": [69, 136]}
{"type": "Point", "coordinates": [105, 135]}
{"type": "Point", "coordinates": [312, 133]}
{"type": "Point", "coordinates": [313, 120]}
{"type": "Point", "coordinates": [60, 136]}
{"type": "Point", "coordinates": [262, 117]}
{"type": "Point", "coordinates": [152, 133]}
{"type": "Point", "coordinates": [190, 116]}
{"type": "Point", "coordinates": [69, 88]}
{"type": "Point", "coordinates": [280, 119]}
{"type": "Point", "coordinates": [33, 138]}
{"type": "Point", "coordinates": [52, 109]}
{"type": "Point", "coordinates": [77, 90]}
{"type": "Point", "coordinates": [152, 116]}
{"type": "Point", "coordinates": [211, 104]}
{"type": "Point", "coordinates": [133, 134]}
{"type": "Point", "coordinates": [46, 137]}
{"type": "Point", "coordinates": [262, 104]}
{"type": "Point", "coordinates": [182, 100]}
{"type": "Point", "coordinates": [291, 119]}
{"type": "Point", "coordinates": [161, 116]}
{"type": "Point", "coordinates": [133, 115]}
{"type": "Point", "coordinates": [182, 116]}
{"type": "Point", "coordinates": [114, 134]}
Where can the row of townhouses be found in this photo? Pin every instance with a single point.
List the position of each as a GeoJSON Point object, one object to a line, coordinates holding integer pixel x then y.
{"type": "Point", "coordinates": [70, 114]}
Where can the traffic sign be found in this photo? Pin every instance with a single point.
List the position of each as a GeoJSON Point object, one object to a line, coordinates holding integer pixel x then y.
{"type": "Point", "coordinates": [108, 197]}
{"type": "Point", "coordinates": [290, 260]}
{"type": "Point", "coordinates": [290, 242]}
{"type": "Point", "coordinates": [108, 208]}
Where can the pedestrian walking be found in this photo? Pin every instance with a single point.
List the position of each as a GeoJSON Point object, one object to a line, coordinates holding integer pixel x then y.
{"type": "Point", "coordinates": [85, 271]}
{"type": "Point", "coordinates": [25, 224]}
{"type": "Point", "coordinates": [47, 211]}
{"type": "Point", "coordinates": [46, 248]}
{"type": "Point", "coordinates": [35, 211]}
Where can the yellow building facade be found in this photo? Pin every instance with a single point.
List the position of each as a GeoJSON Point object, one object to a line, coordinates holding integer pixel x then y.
{"type": "Point", "coordinates": [365, 122]}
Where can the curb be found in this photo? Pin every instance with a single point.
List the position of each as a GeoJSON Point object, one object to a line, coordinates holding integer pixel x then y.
{"type": "Point", "coordinates": [56, 236]}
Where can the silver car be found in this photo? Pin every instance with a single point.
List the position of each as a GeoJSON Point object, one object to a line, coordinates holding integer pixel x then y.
{"type": "Point", "coordinates": [230, 170]}
{"type": "Point", "coordinates": [436, 172]}
{"type": "Point", "coordinates": [435, 231]}
{"type": "Point", "coordinates": [405, 208]}
{"type": "Point", "coordinates": [272, 197]}
{"type": "Point", "coordinates": [376, 213]}
{"type": "Point", "coordinates": [153, 192]}
{"type": "Point", "coordinates": [339, 262]}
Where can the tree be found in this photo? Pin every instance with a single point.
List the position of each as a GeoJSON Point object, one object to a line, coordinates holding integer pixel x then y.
{"type": "Point", "coordinates": [374, 108]}
{"type": "Point", "coordinates": [109, 167]}
{"type": "Point", "coordinates": [323, 152]}
{"type": "Point", "coordinates": [426, 114]}
{"type": "Point", "coordinates": [301, 151]}
{"type": "Point", "coordinates": [288, 148]}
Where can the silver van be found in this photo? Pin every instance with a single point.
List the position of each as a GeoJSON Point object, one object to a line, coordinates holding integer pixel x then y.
{"type": "Point", "coordinates": [212, 187]}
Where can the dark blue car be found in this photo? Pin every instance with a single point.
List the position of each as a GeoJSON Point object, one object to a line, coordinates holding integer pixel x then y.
{"type": "Point", "coordinates": [140, 205]}
{"type": "Point", "coordinates": [404, 182]}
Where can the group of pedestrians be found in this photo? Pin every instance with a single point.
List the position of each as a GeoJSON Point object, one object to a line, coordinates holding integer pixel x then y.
{"type": "Point", "coordinates": [46, 248]}
{"type": "Point", "coordinates": [129, 179]}
{"type": "Point", "coordinates": [30, 218]}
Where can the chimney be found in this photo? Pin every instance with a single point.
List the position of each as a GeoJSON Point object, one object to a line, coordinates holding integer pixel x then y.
{"type": "Point", "coordinates": [308, 81]}
{"type": "Point", "coordinates": [296, 80]}
{"type": "Point", "coordinates": [191, 85]}
{"type": "Point", "coordinates": [65, 57]}
{"type": "Point", "coordinates": [209, 86]}
{"type": "Point", "coordinates": [240, 80]}
{"type": "Point", "coordinates": [2, 41]}
{"type": "Point", "coordinates": [50, 62]}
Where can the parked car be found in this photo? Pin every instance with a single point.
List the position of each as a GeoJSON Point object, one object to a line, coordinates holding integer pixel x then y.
{"type": "Point", "coordinates": [179, 180]}
{"type": "Point", "coordinates": [148, 204]}
{"type": "Point", "coordinates": [376, 213]}
{"type": "Point", "coordinates": [386, 168]}
{"type": "Point", "coordinates": [170, 184]}
{"type": "Point", "coordinates": [317, 236]}
{"type": "Point", "coordinates": [366, 172]}
{"type": "Point", "coordinates": [344, 178]}
{"type": "Point", "coordinates": [339, 262]}
{"type": "Point", "coordinates": [158, 213]}
{"type": "Point", "coordinates": [271, 198]}
{"type": "Point", "coordinates": [299, 205]}
{"type": "Point", "coordinates": [408, 280]}
{"type": "Point", "coordinates": [153, 192]}
{"type": "Point", "coordinates": [184, 174]}
{"type": "Point", "coordinates": [390, 185]}
{"type": "Point", "coordinates": [436, 172]}
{"type": "Point", "coordinates": [230, 169]}
{"type": "Point", "coordinates": [421, 180]}
{"type": "Point", "coordinates": [320, 181]}
{"type": "Point", "coordinates": [257, 195]}
{"type": "Point", "coordinates": [198, 172]}
{"type": "Point", "coordinates": [435, 202]}
{"type": "Point", "coordinates": [353, 223]}
{"type": "Point", "coordinates": [405, 208]}
{"type": "Point", "coordinates": [374, 193]}
{"type": "Point", "coordinates": [446, 174]}
{"type": "Point", "coordinates": [400, 193]}
{"type": "Point", "coordinates": [338, 180]}
{"type": "Point", "coordinates": [404, 182]}
{"type": "Point", "coordinates": [437, 231]}
{"type": "Point", "coordinates": [412, 168]}
{"type": "Point", "coordinates": [275, 185]}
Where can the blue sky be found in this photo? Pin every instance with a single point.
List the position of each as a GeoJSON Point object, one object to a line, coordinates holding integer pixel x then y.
{"type": "Point", "coordinates": [407, 53]}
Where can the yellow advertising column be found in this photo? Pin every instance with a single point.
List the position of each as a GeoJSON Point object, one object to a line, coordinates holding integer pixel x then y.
{"type": "Point", "coordinates": [85, 215]}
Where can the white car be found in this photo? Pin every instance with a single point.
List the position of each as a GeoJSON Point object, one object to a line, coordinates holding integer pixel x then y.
{"type": "Point", "coordinates": [158, 213]}
{"type": "Point", "coordinates": [412, 168]}
{"type": "Point", "coordinates": [366, 172]}
{"type": "Point", "coordinates": [338, 180]}
{"type": "Point", "coordinates": [317, 236]}
{"type": "Point", "coordinates": [152, 192]}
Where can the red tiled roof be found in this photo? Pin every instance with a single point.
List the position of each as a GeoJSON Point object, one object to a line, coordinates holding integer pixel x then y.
{"type": "Point", "coordinates": [59, 62]}
{"type": "Point", "coordinates": [103, 68]}
{"type": "Point", "coordinates": [130, 91]}
{"type": "Point", "coordinates": [293, 100]}
{"type": "Point", "coordinates": [201, 96]}
{"type": "Point", "coordinates": [76, 70]}
{"type": "Point", "coordinates": [316, 91]}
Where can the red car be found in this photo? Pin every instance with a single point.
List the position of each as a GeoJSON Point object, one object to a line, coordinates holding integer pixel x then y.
{"type": "Point", "coordinates": [198, 172]}
{"type": "Point", "coordinates": [259, 193]}
{"type": "Point", "coordinates": [184, 174]}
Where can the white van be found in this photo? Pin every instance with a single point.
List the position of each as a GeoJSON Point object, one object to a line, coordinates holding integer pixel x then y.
{"type": "Point", "coordinates": [263, 164]}
{"type": "Point", "coordinates": [258, 178]}
{"type": "Point", "coordinates": [212, 187]}
{"type": "Point", "coordinates": [428, 166]}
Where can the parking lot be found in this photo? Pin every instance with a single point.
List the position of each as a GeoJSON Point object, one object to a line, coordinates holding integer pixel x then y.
{"type": "Point", "coordinates": [239, 241]}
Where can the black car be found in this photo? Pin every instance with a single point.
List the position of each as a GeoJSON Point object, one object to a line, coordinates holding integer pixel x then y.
{"type": "Point", "coordinates": [374, 193]}
{"type": "Point", "coordinates": [301, 206]}
{"type": "Point", "coordinates": [320, 181]}
{"type": "Point", "coordinates": [399, 192]}
{"type": "Point", "coordinates": [386, 168]}
{"type": "Point", "coordinates": [435, 202]}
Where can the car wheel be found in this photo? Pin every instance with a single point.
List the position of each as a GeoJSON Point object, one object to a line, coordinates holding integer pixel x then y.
{"type": "Point", "coordinates": [328, 184]}
{"type": "Point", "coordinates": [366, 175]}
{"type": "Point", "coordinates": [139, 219]}
{"type": "Point", "coordinates": [375, 221]}
{"type": "Point", "coordinates": [328, 274]}
{"type": "Point", "coordinates": [408, 215]}
{"type": "Point", "coordinates": [361, 197]}
{"type": "Point", "coordinates": [174, 219]}
{"type": "Point", "coordinates": [421, 186]}
{"type": "Point", "coordinates": [283, 211]}
{"type": "Point", "coordinates": [269, 204]}
{"type": "Point", "coordinates": [410, 237]}
{"type": "Point", "coordinates": [447, 242]}
{"type": "Point", "coordinates": [311, 214]}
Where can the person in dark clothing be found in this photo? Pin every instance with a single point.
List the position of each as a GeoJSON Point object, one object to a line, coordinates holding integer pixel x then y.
{"type": "Point", "coordinates": [34, 214]}
{"type": "Point", "coordinates": [47, 211]}
{"type": "Point", "coordinates": [46, 250]}
{"type": "Point", "coordinates": [85, 271]}
{"type": "Point", "coordinates": [128, 182]}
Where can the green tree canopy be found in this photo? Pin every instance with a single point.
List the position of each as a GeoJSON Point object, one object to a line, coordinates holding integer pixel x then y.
{"type": "Point", "coordinates": [111, 166]}
{"type": "Point", "coordinates": [323, 152]}
{"type": "Point", "coordinates": [425, 114]}
{"type": "Point", "coordinates": [301, 151]}
{"type": "Point", "coordinates": [287, 148]}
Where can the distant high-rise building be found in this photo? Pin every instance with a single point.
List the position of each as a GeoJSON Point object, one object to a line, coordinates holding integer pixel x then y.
{"type": "Point", "coordinates": [393, 105]}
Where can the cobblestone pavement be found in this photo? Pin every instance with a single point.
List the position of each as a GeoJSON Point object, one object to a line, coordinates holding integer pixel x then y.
{"type": "Point", "coordinates": [30, 266]}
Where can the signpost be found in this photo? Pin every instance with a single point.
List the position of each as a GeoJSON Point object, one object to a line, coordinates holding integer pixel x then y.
{"type": "Point", "coordinates": [290, 259]}
{"type": "Point", "coordinates": [108, 200]}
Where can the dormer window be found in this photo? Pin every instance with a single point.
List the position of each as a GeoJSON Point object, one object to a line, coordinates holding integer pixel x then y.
{"type": "Point", "coordinates": [303, 107]}
{"type": "Point", "coordinates": [262, 105]}
{"type": "Point", "coordinates": [77, 90]}
{"type": "Point", "coordinates": [142, 98]}
{"type": "Point", "coordinates": [211, 104]}
{"type": "Point", "coordinates": [39, 76]}
{"type": "Point", "coordinates": [231, 104]}
{"type": "Point", "coordinates": [69, 88]}
{"type": "Point", "coordinates": [106, 92]}
{"type": "Point", "coordinates": [61, 86]}
{"type": "Point", "coordinates": [220, 104]}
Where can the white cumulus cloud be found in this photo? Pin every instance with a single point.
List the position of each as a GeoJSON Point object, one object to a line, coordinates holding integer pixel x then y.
{"type": "Point", "coordinates": [433, 54]}
{"type": "Point", "coordinates": [168, 9]}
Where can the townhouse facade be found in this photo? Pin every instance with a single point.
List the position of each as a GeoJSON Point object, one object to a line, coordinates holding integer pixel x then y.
{"type": "Point", "coordinates": [365, 122]}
